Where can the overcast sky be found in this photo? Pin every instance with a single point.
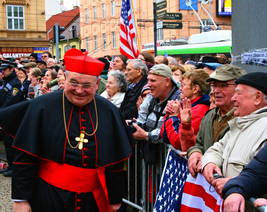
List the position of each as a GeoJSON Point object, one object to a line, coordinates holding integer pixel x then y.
{"type": "Point", "coordinates": [52, 7]}
{"type": "Point", "coordinates": [68, 4]}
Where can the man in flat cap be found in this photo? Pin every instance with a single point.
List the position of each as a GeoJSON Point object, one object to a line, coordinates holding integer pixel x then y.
{"type": "Point", "coordinates": [215, 123]}
{"type": "Point", "coordinates": [9, 90]}
{"type": "Point", "coordinates": [71, 147]}
{"type": "Point", "coordinates": [247, 132]}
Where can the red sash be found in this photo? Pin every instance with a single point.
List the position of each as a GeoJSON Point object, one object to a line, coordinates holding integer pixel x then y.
{"type": "Point", "coordinates": [76, 179]}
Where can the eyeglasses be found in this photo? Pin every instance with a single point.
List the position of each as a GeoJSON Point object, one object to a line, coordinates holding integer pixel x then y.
{"type": "Point", "coordinates": [82, 85]}
{"type": "Point", "coordinates": [221, 84]}
{"type": "Point", "coordinates": [44, 56]}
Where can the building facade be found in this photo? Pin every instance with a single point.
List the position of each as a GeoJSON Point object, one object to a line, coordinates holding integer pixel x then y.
{"type": "Point", "coordinates": [70, 20]}
{"type": "Point", "coordinates": [22, 28]}
{"type": "Point", "coordinates": [100, 23]}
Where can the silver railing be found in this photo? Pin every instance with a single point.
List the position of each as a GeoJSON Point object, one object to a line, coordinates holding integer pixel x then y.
{"type": "Point", "coordinates": [144, 179]}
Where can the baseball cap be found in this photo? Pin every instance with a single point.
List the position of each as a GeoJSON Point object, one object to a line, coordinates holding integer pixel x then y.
{"type": "Point", "coordinates": [161, 70]}
{"type": "Point", "coordinates": [226, 72]}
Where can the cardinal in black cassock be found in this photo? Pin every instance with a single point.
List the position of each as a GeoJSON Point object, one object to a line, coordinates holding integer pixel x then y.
{"type": "Point", "coordinates": [71, 145]}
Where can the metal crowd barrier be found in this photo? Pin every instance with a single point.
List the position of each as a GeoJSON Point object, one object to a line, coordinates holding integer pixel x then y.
{"type": "Point", "coordinates": [258, 209]}
{"type": "Point", "coordinates": [144, 179]}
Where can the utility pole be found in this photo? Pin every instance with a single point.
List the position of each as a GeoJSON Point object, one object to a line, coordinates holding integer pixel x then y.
{"type": "Point", "coordinates": [155, 27]}
{"type": "Point", "coordinates": [57, 37]}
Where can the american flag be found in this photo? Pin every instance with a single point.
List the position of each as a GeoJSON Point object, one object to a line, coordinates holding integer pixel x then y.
{"type": "Point", "coordinates": [199, 195]}
{"type": "Point", "coordinates": [172, 182]}
{"type": "Point", "coordinates": [127, 31]}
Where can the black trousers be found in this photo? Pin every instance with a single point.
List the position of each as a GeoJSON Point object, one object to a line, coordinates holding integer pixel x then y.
{"type": "Point", "coordinates": [10, 152]}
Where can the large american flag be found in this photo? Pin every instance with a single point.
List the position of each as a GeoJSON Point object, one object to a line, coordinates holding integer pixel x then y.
{"type": "Point", "coordinates": [127, 31]}
{"type": "Point", "coordinates": [172, 182]}
{"type": "Point", "coordinates": [199, 195]}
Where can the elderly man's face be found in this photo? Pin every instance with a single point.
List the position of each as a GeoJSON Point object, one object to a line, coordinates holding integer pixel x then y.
{"type": "Point", "coordinates": [158, 85]}
{"type": "Point", "coordinates": [80, 89]}
{"type": "Point", "coordinates": [223, 93]}
{"type": "Point", "coordinates": [132, 75]}
{"type": "Point", "coordinates": [244, 100]}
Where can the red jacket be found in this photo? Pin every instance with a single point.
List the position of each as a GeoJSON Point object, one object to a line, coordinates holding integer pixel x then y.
{"type": "Point", "coordinates": [182, 135]}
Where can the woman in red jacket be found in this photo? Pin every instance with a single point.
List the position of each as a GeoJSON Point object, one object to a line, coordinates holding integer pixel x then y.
{"type": "Point", "coordinates": [183, 118]}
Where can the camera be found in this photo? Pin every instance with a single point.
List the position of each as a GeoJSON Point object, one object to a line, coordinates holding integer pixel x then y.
{"type": "Point", "coordinates": [52, 83]}
{"type": "Point", "coordinates": [131, 128]}
{"type": "Point", "coordinates": [217, 176]}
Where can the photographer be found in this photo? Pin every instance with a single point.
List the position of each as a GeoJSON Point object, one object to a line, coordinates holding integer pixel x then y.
{"type": "Point", "coordinates": [151, 113]}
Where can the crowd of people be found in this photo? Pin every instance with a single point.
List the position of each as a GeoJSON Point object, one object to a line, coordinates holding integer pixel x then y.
{"type": "Point", "coordinates": [213, 112]}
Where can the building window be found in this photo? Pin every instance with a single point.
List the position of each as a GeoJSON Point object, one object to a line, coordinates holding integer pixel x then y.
{"type": "Point", "coordinates": [160, 34]}
{"type": "Point", "coordinates": [95, 42]}
{"type": "Point", "coordinates": [15, 17]}
{"type": "Point", "coordinates": [103, 10]}
{"type": "Point", "coordinates": [94, 11]}
{"type": "Point", "coordinates": [113, 40]}
{"type": "Point", "coordinates": [74, 31]}
{"type": "Point", "coordinates": [59, 50]}
{"type": "Point", "coordinates": [112, 8]}
{"type": "Point", "coordinates": [86, 15]}
{"type": "Point", "coordinates": [67, 47]}
{"type": "Point", "coordinates": [104, 41]}
{"type": "Point", "coordinates": [87, 44]}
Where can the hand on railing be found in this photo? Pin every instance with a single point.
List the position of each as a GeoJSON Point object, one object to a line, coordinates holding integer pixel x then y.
{"type": "Point", "coordinates": [260, 202]}
{"type": "Point", "coordinates": [234, 203]}
{"type": "Point", "coordinates": [209, 170]}
{"type": "Point", "coordinates": [219, 183]}
{"type": "Point", "coordinates": [194, 163]}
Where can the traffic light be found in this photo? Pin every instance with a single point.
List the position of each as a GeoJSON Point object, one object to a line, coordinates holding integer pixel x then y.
{"type": "Point", "coordinates": [57, 33]}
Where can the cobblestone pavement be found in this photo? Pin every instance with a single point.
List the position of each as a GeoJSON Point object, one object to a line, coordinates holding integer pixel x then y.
{"type": "Point", "coordinates": [5, 196]}
{"type": "Point", "coordinates": [5, 187]}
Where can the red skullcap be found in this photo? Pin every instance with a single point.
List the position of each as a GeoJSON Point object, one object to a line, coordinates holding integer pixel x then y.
{"type": "Point", "coordinates": [78, 61]}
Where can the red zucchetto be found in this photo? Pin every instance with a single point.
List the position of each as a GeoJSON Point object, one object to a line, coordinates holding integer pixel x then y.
{"type": "Point", "coordinates": [78, 61]}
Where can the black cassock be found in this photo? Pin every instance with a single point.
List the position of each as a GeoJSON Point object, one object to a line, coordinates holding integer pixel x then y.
{"type": "Point", "coordinates": [40, 136]}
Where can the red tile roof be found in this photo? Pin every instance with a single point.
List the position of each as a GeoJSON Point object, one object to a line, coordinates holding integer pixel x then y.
{"type": "Point", "coordinates": [64, 19]}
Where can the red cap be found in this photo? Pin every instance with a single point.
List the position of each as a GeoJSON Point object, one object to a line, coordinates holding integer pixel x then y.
{"type": "Point", "coordinates": [78, 61]}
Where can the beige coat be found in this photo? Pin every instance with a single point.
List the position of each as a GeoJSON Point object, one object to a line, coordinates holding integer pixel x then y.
{"type": "Point", "coordinates": [240, 144]}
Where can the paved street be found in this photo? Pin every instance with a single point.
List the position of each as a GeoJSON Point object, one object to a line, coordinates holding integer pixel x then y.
{"type": "Point", "coordinates": [5, 201]}
{"type": "Point", "coordinates": [5, 184]}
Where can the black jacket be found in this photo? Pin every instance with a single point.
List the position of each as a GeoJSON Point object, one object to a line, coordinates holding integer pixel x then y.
{"type": "Point", "coordinates": [128, 106]}
{"type": "Point", "coordinates": [9, 89]}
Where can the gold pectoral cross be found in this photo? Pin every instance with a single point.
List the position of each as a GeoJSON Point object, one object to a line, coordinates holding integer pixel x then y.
{"type": "Point", "coordinates": [81, 140]}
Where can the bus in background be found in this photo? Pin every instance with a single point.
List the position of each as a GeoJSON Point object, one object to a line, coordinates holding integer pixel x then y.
{"type": "Point", "coordinates": [205, 43]}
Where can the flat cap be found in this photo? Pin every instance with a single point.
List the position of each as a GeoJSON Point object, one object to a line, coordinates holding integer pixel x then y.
{"type": "Point", "coordinates": [226, 72]}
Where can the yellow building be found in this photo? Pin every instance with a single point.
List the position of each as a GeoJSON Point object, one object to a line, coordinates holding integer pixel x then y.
{"type": "Point", "coordinates": [70, 21]}
{"type": "Point", "coordinates": [22, 27]}
{"type": "Point", "coordinates": [100, 25]}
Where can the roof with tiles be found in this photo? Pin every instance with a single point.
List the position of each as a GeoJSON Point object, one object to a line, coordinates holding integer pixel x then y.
{"type": "Point", "coordinates": [64, 19]}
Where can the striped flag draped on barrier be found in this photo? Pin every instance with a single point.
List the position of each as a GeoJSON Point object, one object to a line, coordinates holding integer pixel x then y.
{"type": "Point", "coordinates": [128, 46]}
{"type": "Point", "coordinates": [179, 191]}
{"type": "Point", "coordinates": [172, 182]}
{"type": "Point", "coordinates": [199, 195]}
